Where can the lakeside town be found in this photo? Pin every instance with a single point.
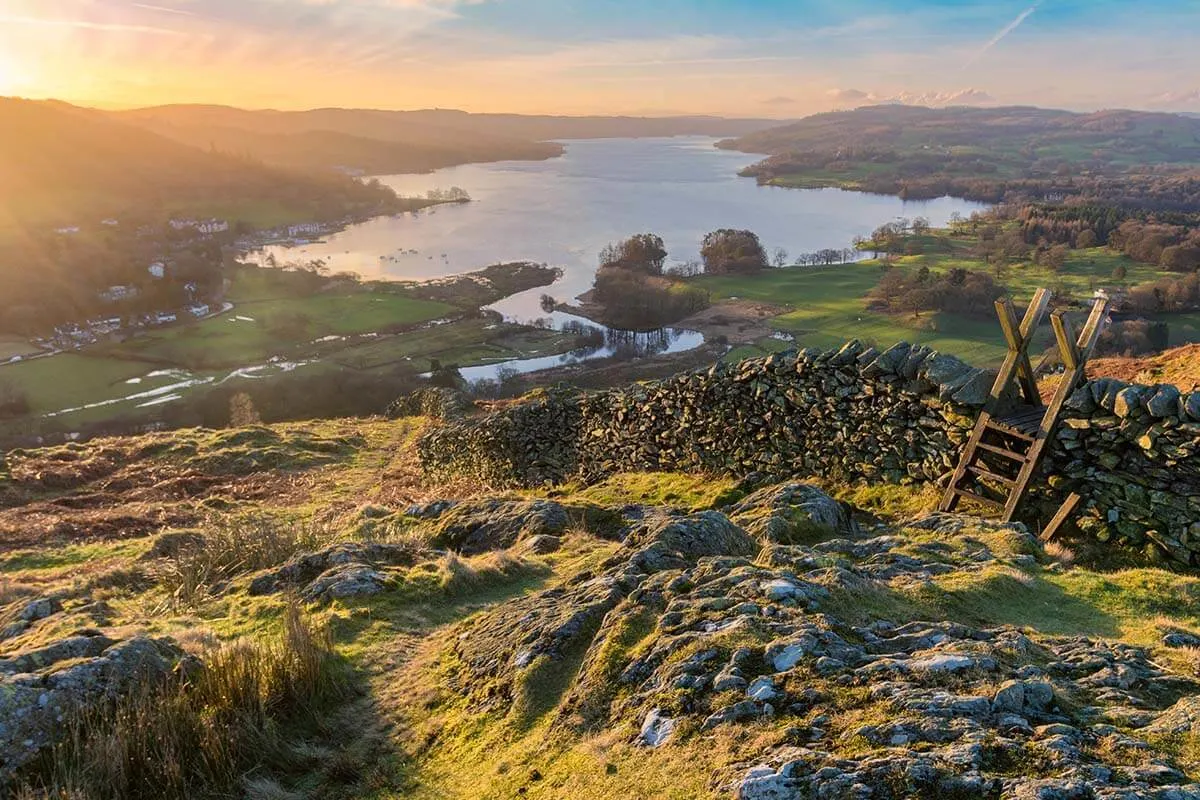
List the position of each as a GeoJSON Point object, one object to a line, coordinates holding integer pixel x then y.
{"type": "Point", "coordinates": [123, 316]}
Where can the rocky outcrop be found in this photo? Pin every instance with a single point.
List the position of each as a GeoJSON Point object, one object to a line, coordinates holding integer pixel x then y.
{"type": "Point", "coordinates": [477, 526]}
{"type": "Point", "coordinates": [899, 416]}
{"type": "Point", "coordinates": [696, 625]}
{"type": "Point", "coordinates": [343, 570]}
{"type": "Point", "coordinates": [40, 688]}
{"type": "Point", "coordinates": [435, 402]}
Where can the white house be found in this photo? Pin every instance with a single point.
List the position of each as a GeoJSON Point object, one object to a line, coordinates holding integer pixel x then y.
{"type": "Point", "coordinates": [213, 226]}
{"type": "Point", "coordinates": [163, 317]}
{"type": "Point", "coordinates": [205, 226]}
{"type": "Point", "coordinates": [304, 228]}
{"type": "Point", "coordinates": [115, 294]}
{"type": "Point", "coordinates": [70, 230]}
{"type": "Point", "coordinates": [112, 223]}
{"type": "Point", "coordinates": [199, 309]}
{"type": "Point", "coordinates": [157, 270]}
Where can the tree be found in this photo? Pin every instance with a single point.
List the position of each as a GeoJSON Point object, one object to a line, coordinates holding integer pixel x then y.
{"type": "Point", "coordinates": [1086, 239]}
{"type": "Point", "coordinates": [643, 252]}
{"type": "Point", "coordinates": [1056, 257]}
{"type": "Point", "coordinates": [780, 257]}
{"type": "Point", "coordinates": [1120, 271]}
{"type": "Point", "coordinates": [727, 250]}
{"type": "Point", "coordinates": [242, 413]}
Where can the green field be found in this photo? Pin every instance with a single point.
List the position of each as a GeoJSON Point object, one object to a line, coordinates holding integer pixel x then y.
{"type": "Point", "coordinates": [261, 329]}
{"type": "Point", "coordinates": [13, 346]}
{"type": "Point", "coordinates": [828, 304]}
{"type": "Point", "coordinates": [277, 319]}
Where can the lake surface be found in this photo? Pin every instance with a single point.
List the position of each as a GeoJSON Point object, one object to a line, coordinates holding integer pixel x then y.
{"type": "Point", "coordinates": [563, 211]}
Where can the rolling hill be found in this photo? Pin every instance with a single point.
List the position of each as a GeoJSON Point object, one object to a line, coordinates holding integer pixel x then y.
{"type": "Point", "coordinates": [401, 141]}
{"type": "Point", "coordinates": [1126, 136]}
{"type": "Point", "coordinates": [62, 165]}
{"type": "Point", "coordinates": [1133, 158]}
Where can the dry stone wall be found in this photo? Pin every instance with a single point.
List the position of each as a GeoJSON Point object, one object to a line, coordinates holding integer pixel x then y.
{"type": "Point", "coordinates": [898, 416]}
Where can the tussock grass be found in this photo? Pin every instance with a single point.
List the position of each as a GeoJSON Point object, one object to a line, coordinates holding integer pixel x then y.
{"type": "Point", "coordinates": [229, 548]}
{"type": "Point", "coordinates": [197, 735]}
{"type": "Point", "coordinates": [459, 576]}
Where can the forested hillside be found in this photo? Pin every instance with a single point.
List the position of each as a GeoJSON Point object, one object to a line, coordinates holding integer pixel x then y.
{"type": "Point", "coordinates": [1139, 158]}
{"type": "Point", "coordinates": [62, 165]}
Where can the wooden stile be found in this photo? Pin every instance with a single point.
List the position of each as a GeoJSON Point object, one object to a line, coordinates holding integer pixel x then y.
{"type": "Point", "coordinates": [1016, 439]}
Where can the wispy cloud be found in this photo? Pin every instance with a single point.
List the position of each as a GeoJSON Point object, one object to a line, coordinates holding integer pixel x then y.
{"type": "Point", "coordinates": [999, 37]}
{"type": "Point", "coordinates": [164, 9]}
{"type": "Point", "coordinates": [933, 99]}
{"type": "Point", "coordinates": [83, 24]}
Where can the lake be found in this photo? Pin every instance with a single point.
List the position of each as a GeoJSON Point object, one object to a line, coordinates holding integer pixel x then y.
{"type": "Point", "coordinates": [563, 211]}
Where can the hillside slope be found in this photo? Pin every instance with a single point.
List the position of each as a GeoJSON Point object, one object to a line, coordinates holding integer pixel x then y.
{"type": "Point", "coordinates": [1136, 136]}
{"type": "Point", "coordinates": [59, 163]}
{"type": "Point", "coordinates": [650, 635]}
{"type": "Point", "coordinates": [380, 142]}
{"type": "Point", "coordinates": [1132, 158]}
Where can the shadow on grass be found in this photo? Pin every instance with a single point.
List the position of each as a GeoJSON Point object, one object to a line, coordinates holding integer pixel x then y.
{"type": "Point", "coordinates": [989, 597]}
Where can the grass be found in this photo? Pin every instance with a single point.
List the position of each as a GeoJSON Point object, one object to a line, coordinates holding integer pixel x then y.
{"type": "Point", "coordinates": [829, 308]}
{"type": "Point", "coordinates": [673, 489]}
{"type": "Point", "coordinates": [267, 722]}
{"type": "Point", "coordinates": [197, 736]}
{"type": "Point", "coordinates": [828, 305]}
{"type": "Point", "coordinates": [12, 346]}
{"type": "Point", "coordinates": [228, 548]}
{"type": "Point", "coordinates": [1134, 605]}
{"type": "Point", "coordinates": [257, 330]}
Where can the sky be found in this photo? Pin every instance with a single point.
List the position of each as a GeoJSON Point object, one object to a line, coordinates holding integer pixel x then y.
{"type": "Point", "coordinates": [761, 58]}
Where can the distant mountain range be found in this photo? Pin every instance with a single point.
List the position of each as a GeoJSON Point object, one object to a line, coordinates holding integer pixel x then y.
{"type": "Point", "coordinates": [380, 142]}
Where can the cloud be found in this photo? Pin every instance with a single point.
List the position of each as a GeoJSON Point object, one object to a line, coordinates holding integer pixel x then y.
{"type": "Point", "coordinates": [934, 99]}
{"type": "Point", "coordinates": [1005, 31]}
{"type": "Point", "coordinates": [1175, 99]}
{"type": "Point", "coordinates": [848, 96]}
{"type": "Point", "coordinates": [780, 101]}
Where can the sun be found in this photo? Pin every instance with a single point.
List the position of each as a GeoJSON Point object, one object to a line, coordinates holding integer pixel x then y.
{"type": "Point", "coordinates": [12, 76]}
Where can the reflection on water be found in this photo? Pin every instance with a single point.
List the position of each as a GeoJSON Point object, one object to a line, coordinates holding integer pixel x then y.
{"type": "Point", "coordinates": [601, 342]}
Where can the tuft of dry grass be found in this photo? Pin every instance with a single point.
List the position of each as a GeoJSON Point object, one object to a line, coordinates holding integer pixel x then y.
{"type": "Point", "coordinates": [198, 734]}
{"type": "Point", "coordinates": [229, 548]}
{"type": "Point", "coordinates": [458, 575]}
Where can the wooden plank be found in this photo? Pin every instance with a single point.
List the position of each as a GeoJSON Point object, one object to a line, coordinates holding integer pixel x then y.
{"type": "Point", "coordinates": [1092, 330]}
{"type": "Point", "coordinates": [1029, 325]}
{"type": "Point", "coordinates": [991, 476]}
{"type": "Point", "coordinates": [1000, 451]}
{"type": "Point", "coordinates": [1009, 430]}
{"type": "Point", "coordinates": [1018, 344]}
{"type": "Point", "coordinates": [1067, 348]}
{"type": "Point", "coordinates": [978, 498]}
{"type": "Point", "coordinates": [1060, 517]}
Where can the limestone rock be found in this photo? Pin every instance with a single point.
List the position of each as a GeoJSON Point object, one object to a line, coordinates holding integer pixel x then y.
{"type": "Point", "coordinates": [307, 568]}
{"type": "Point", "coordinates": [479, 526]}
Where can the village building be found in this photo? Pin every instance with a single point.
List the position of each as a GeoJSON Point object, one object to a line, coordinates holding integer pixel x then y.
{"type": "Point", "coordinates": [115, 294]}
{"type": "Point", "coordinates": [304, 228]}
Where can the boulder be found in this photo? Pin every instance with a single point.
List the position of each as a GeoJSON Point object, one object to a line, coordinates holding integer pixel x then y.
{"type": "Point", "coordinates": [344, 581]}
{"type": "Point", "coordinates": [478, 526]}
{"type": "Point", "coordinates": [656, 729]}
{"type": "Point", "coordinates": [304, 569]}
{"type": "Point", "coordinates": [50, 683]}
{"type": "Point", "coordinates": [786, 511]}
